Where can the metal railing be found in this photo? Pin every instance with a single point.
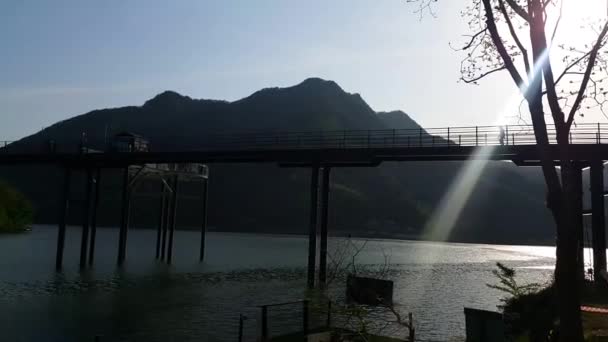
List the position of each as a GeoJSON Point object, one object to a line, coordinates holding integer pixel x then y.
{"type": "Point", "coordinates": [295, 318]}
{"type": "Point", "coordinates": [508, 135]}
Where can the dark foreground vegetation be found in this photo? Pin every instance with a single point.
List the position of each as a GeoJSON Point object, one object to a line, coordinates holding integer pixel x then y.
{"type": "Point", "coordinates": [530, 310]}
{"type": "Point", "coordinates": [16, 213]}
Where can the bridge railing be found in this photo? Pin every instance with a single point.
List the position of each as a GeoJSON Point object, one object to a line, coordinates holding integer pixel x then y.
{"type": "Point", "coordinates": [404, 138]}
{"type": "Point", "coordinates": [509, 135]}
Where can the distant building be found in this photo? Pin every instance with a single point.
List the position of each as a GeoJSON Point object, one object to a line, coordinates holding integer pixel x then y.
{"type": "Point", "coordinates": [129, 142]}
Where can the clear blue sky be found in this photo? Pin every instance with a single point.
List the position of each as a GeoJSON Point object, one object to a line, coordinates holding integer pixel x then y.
{"type": "Point", "coordinates": [61, 58]}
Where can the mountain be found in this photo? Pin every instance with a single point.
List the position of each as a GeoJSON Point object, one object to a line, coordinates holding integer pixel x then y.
{"type": "Point", "coordinates": [394, 199]}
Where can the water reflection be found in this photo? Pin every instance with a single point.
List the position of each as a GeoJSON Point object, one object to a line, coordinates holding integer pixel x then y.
{"type": "Point", "coordinates": [188, 301]}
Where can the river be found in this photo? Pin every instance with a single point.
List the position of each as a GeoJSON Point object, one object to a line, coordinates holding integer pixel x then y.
{"type": "Point", "coordinates": [191, 301]}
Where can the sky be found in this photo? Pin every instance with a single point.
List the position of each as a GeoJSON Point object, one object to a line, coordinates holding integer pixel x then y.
{"type": "Point", "coordinates": [62, 58]}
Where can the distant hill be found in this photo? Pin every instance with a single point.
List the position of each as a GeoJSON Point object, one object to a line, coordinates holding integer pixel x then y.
{"type": "Point", "coordinates": [394, 199]}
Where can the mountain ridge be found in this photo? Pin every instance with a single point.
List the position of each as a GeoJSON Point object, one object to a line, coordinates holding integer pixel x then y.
{"type": "Point", "coordinates": [390, 200]}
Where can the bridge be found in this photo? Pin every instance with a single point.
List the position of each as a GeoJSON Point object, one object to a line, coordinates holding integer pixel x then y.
{"type": "Point", "coordinates": [511, 142]}
{"type": "Point", "coordinates": [320, 151]}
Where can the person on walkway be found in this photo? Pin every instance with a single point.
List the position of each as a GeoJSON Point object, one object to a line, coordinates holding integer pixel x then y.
{"type": "Point", "coordinates": [501, 135]}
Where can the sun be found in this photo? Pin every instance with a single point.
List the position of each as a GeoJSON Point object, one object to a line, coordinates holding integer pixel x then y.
{"type": "Point", "coordinates": [577, 15]}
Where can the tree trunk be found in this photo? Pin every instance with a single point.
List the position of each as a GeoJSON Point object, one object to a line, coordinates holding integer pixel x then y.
{"type": "Point", "coordinates": [567, 279]}
{"type": "Point", "coordinates": [563, 200]}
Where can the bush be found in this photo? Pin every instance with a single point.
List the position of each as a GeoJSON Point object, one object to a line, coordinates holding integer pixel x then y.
{"type": "Point", "coordinates": [529, 309]}
{"type": "Point", "coordinates": [16, 212]}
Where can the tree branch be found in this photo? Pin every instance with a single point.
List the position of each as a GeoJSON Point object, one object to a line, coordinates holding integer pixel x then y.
{"type": "Point", "coordinates": [477, 78]}
{"type": "Point", "coordinates": [524, 52]}
{"type": "Point", "coordinates": [472, 39]}
{"type": "Point", "coordinates": [566, 70]}
{"type": "Point", "coordinates": [559, 18]}
{"type": "Point", "coordinates": [517, 9]}
{"type": "Point", "coordinates": [500, 46]}
{"type": "Point", "coordinates": [590, 65]}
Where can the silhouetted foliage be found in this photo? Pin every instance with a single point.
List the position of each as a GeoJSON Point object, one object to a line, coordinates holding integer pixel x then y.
{"type": "Point", "coordinates": [529, 309]}
{"type": "Point", "coordinates": [16, 212]}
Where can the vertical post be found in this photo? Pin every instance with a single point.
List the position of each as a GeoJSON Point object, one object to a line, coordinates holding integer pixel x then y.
{"type": "Point", "coordinates": [448, 136]}
{"type": "Point", "coordinates": [476, 136]}
{"type": "Point", "coordinates": [512, 138]}
{"type": "Point", "coordinates": [94, 216]}
{"type": "Point", "coordinates": [305, 316]}
{"type": "Point", "coordinates": [459, 140]}
{"type": "Point", "coordinates": [312, 228]}
{"type": "Point", "coordinates": [264, 323]}
{"type": "Point", "coordinates": [507, 134]}
{"type": "Point", "coordinates": [86, 217]}
{"type": "Point", "coordinates": [328, 313]}
{"type": "Point", "coordinates": [412, 330]}
{"type": "Point", "coordinates": [167, 214]}
{"type": "Point", "coordinates": [124, 217]}
{"type": "Point", "coordinates": [324, 218]}
{"type": "Point", "coordinates": [161, 218]}
{"type": "Point", "coordinates": [205, 197]}
{"type": "Point", "coordinates": [598, 218]}
{"type": "Point", "coordinates": [577, 179]}
{"type": "Point", "coordinates": [241, 321]}
{"type": "Point", "coordinates": [173, 218]}
{"type": "Point", "coordinates": [599, 134]}
{"type": "Point", "coordinates": [63, 217]}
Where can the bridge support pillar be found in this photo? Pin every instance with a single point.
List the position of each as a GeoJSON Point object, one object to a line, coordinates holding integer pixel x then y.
{"type": "Point", "coordinates": [124, 217]}
{"type": "Point", "coordinates": [63, 217]}
{"type": "Point", "coordinates": [577, 179]}
{"type": "Point", "coordinates": [204, 197]}
{"type": "Point", "coordinates": [173, 218]}
{"type": "Point", "coordinates": [94, 216]}
{"type": "Point", "coordinates": [312, 230]}
{"type": "Point", "coordinates": [86, 217]}
{"type": "Point", "coordinates": [165, 228]}
{"type": "Point", "coordinates": [161, 218]}
{"type": "Point", "coordinates": [324, 219]}
{"type": "Point", "coordinates": [598, 224]}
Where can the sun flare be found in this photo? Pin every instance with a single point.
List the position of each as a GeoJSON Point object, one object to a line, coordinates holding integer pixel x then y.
{"type": "Point", "coordinates": [575, 19]}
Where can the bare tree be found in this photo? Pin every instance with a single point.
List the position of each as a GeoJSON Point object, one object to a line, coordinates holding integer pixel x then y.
{"type": "Point", "coordinates": [360, 320]}
{"type": "Point", "coordinates": [520, 37]}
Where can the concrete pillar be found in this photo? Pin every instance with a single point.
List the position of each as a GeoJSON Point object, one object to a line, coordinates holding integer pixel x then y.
{"type": "Point", "coordinates": [124, 217]}
{"type": "Point", "coordinates": [63, 217]}
{"type": "Point", "coordinates": [577, 179]}
{"type": "Point", "coordinates": [598, 218]}
{"type": "Point", "coordinates": [94, 216]}
{"type": "Point", "coordinates": [86, 217]}
{"type": "Point", "coordinates": [324, 218]}
{"type": "Point", "coordinates": [312, 230]}
{"type": "Point", "coordinates": [167, 213]}
{"type": "Point", "coordinates": [205, 196]}
{"type": "Point", "coordinates": [161, 218]}
{"type": "Point", "coordinates": [173, 218]}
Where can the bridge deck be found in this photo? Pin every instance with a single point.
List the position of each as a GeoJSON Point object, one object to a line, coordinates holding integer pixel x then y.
{"type": "Point", "coordinates": [513, 142]}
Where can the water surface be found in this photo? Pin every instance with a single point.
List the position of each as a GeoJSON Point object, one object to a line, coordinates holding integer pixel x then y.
{"type": "Point", "coordinates": [191, 301]}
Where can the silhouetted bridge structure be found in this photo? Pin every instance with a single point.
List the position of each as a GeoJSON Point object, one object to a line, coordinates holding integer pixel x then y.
{"type": "Point", "coordinates": [320, 151]}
